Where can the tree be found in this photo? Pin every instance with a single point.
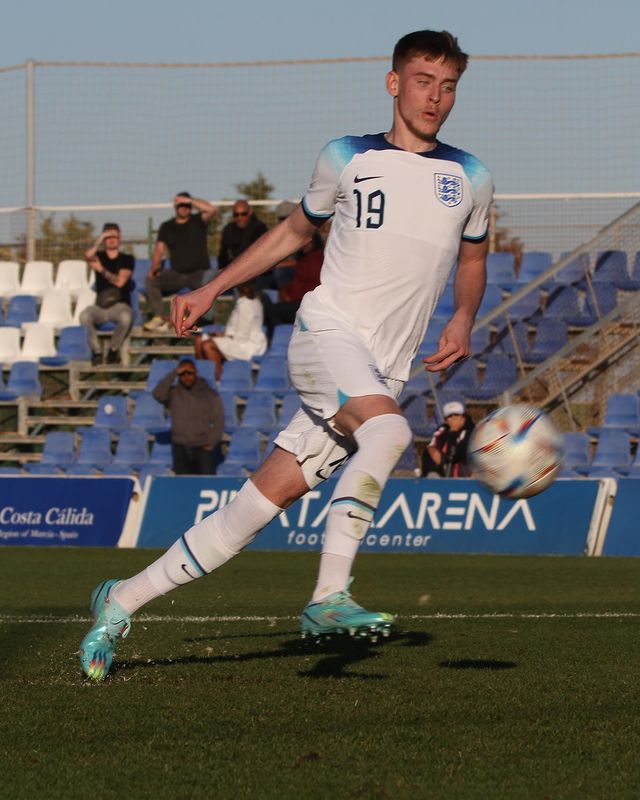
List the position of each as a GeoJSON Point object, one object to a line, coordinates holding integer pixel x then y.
{"type": "Point", "coordinates": [68, 240]}
{"type": "Point", "coordinates": [257, 189]}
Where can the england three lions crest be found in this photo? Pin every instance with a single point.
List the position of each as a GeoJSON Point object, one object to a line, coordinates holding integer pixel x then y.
{"type": "Point", "coordinates": [448, 189]}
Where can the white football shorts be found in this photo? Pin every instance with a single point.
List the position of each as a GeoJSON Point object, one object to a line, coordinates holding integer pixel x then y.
{"type": "Point", "coordinates": [327, 368]}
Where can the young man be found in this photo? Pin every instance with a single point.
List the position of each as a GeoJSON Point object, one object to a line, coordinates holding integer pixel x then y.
{"type": "Point", "coordinates": [114, 273]}
{"type": "Point", "coordinates": [406, 207]}
{"type": "Point", "coordinates": [446, 454]}
{"type": "Point", "coordinates": [185, 238]}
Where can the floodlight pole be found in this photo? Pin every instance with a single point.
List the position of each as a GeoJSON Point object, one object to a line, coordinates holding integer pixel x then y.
{"type": "Point", "coordinates": [31, 157]}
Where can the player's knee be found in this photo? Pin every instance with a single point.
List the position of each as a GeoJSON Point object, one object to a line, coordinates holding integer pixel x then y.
{"type": "Point", "coordinates": [387, 432]}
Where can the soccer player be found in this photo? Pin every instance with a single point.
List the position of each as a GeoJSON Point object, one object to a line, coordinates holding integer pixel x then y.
{"type": "Point", "coordinates": [406, 207]}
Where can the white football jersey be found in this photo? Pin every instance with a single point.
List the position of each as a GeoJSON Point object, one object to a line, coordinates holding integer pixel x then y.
{"type": "Point", "coordinates": [399, 220]}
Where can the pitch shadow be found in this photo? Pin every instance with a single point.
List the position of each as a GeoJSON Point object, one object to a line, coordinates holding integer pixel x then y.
{"type": "Point", "coordinates": [478, 663]}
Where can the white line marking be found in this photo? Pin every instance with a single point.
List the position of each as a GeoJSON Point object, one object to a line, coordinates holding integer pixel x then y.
{"type": "Point", "coordinates": [6, 619]}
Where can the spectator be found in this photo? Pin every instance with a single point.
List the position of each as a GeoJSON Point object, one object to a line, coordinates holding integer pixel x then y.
{"type": "Point", "coordinates": [185, 238]}
{"type": "Point", "coordinates": [243, 337]}
{"type": "Point", "coordinates": [446, 454]}
{"type": "Point", "coordinates": [197, 420]}
{"type": "Point", "coordinates": [239, 234]}
{"type": "Point", "coordinates": [306, 276]}
{"type": "Point", "coordinates": [114, 273]}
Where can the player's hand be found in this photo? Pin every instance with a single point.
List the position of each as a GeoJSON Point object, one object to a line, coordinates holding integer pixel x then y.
{"type": "Point", "coordinates": [454, 345]}
{"type": "Point", "coordinates": [186, 310]}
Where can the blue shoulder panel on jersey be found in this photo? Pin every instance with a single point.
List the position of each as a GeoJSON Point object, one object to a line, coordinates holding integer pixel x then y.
{"type": "Point", "coordinates": [475, 170]}
{"type": "Point", "coordinates": [341, 151]}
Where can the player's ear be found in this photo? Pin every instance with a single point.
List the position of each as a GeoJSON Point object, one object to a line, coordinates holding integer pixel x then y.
{"type": "Point", "coordinates": [392, 81]}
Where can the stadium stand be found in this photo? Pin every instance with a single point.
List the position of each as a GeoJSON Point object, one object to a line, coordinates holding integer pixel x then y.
{"type": "Point", "coordinates": [72, 276]}
{"type": "Point", "coordinates": [37, 278]}
{"type": "Point", "coordinates": [532, 265]}
{"type": "Point", "coordinates": [501, 270]}
{"type": "Point", "coordinates": [38, 343]}
{"type": "Point", "coordinates": [24, 381]}
{"type": "Point", "coordinates": [259, 413]}
{"type": "Point", "coordinates": [9, 345]}
{"type": "Point", "coordinates": [56, 309]}
{"type": "Point", "coordinates": [22, 308]}
{"type": "Point", "coordinates": [9, 278]}
{"type": "Point", "coordinates": [112, 412]}
{"type": "Point", "coordinates": [95, 450]}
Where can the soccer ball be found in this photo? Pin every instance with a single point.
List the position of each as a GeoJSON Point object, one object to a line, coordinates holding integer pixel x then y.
{"type": "Point", "coordinates": [516, 451]}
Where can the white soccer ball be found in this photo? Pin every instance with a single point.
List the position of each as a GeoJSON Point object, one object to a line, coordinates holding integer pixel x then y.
{"type": "Point", "coordinates": [516, 451]}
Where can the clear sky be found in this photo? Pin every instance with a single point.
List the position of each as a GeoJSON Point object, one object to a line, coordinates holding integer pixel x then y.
{"type": "Point", "coordinates": [209, 30]}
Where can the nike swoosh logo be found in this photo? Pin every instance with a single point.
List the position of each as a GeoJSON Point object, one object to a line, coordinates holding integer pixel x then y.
{"type": "Point", "coordinates": [355, 516]}
{"type": "Point", "coordinates": [184, 568]}
{"type": "Point", "coordinates": [368, 178]}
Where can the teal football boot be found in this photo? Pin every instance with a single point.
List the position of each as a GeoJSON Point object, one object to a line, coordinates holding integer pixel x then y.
{"type": "Point", "coordinates": [339, 613]}
{"type": "Point", "coordinates": [110, 623]}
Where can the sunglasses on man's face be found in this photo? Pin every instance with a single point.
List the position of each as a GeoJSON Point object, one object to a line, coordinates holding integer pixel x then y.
{"type": "Point", "coordinates": [240, 213]}
{"type": "Point", "coordinates": [187, 372]}
{"type": "Point", "coordinates": [183, 205]}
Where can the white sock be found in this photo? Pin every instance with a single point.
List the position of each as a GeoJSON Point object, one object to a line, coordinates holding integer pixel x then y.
{"type": "Point", "coordinates": [202, 549]}
{"type": "Point", "coordinates": [381, 441]}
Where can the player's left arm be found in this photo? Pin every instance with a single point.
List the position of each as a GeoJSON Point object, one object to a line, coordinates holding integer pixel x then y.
{"type": "Point", "coordinates": [468, 289]}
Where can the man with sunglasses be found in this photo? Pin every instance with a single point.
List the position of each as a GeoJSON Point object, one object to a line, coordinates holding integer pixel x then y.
{"type": "Point", "coordinates": [240, 233]}
{"type": "Point", "coordinates": [184, 238]}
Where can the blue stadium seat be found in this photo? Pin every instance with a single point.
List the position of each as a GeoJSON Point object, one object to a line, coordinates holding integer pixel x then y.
{"type": "Point", "coordinates": [415, 410]}
{"type": "Point", "coordinates": [118, 468]}
{"type": "Point", "coordinates": [244, 450]}
{"type": "Point", "coordinates": [280, 340]}
{"type": "Point", "coordinates": [207, 370]}
{"type": "Point", "coordinates": [598, 304]}
{"type": "Point", "coordinates": [81, 470]}
{"type": "Point", "coordinates": [112, 412]}
{"type": "Point", "coordinates": [59, 449]}
{"type": "Point", "coordinates": [23, 381]}
{"type": "Point", "coordinates": [501, 270]}
{"type": "Point", "coordinates": [526, 307]}
{"type": "Point", "coordinates": [622, 413]}
{"type": "Point", "coordinates": [159, 368]}
{"type": "Point", "coordinates": [500, 372]}
{"type": "Point", "coordinates": [273, 376]}
{"type": "Point", "coordinates": [480, 340]}
{"type": "Point", "coordinates": [236, 377]}
{"type": "Point", "coordinates": [22, 308]}
{"type": "Point", "coordinates": [611, 267]}
{"type": "Point", "coordinates": [36, 468]}
{"type": "Point", "coordinates": [613, 450]}
{"type": "Point", "coordinates": [533, 264]}
{"type": "Point", "coordinates": [461, 378]}
{"type": "Point", "coordinates": [161, 454]}
{"type": "Point", "coordinates": [634, 472]}
{"type": "Point", "coordinates": [11, 471]}
{"type": "Point", "coordinates": [149, 414]}
{"type": "Point", "coordinates": [132, 448]}
{"type": "Point", "coordinates": [491, 299]}
{"type": "Point", "coordinates": [95, 448]}
{"type": "Point", "coordinates": [73, 344]}
{"type": "Point", "coordinates": [574, 271]}
{"type": "Point", "coordinates": [290, 407]}
{"type": "Point", "coordinates": [429, 343]}
{"type": "Point", "coordinates": [603, 472]}
{"type": "Point", "coordinates": [230, 411]}
{"type": "Point", "coordinates": [259, 413]}
{"type": "Point", "coordinates": [516, 339]}
{"type": "Point", "coordinates": [231, 470]}
{"type": "Point", "coordinates": [153, 470]}
{"type": "Point", "coordinates": [563, 303]}
{"type": "Point", "coordinates": [551, 336]}
{"type": "Point", "coordinates": [577, 451]}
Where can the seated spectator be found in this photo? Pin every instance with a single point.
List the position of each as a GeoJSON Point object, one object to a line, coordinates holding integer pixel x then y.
{"type": "Point", "coordinates": [197, 420]}
{"type": "Point", "coordinates": [306, 277]}
{"type": "Point", "coordinates": [184, 237]}
{"type": "Point", "coordinates": [114, 272]}
{"type": "Point", "coordinates": [240, 233]}
{"type": "Point", "coordinates": [446, 454]}
{"type": "Point", "coordinates": [243, 337]}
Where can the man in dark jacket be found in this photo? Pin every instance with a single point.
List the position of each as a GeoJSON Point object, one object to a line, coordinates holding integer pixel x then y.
{"type": "Point", "coordinates": [239, 234]}
{"type": "Point", "coordinates": [197, 419]}
{"type": "Point", "coordinates": [446, 453]}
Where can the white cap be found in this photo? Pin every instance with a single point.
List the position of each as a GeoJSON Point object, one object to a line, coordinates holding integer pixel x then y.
{"type": "Point", "coordinates": [454, 407]}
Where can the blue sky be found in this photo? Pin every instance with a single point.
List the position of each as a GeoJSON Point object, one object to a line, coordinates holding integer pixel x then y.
{"type": "Point", "coordinates": [207, 30]}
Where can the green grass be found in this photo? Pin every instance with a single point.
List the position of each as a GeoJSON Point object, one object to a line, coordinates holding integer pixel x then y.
{"type": "Point", "coordinates": [467, 707]}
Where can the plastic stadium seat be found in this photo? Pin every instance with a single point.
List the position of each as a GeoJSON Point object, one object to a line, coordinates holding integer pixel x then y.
{"type": "Point", "coordinates": [611, 267]}
{"type": "Point", "coordinates": [280, 340]}
{"type": "Point", "coordinates": [290, 407]}
{"type": "Point", "coordinates": [22, 308]}
{"type": "Point", "coordinates": [95, 448]}
{"type": "Point", "coordinates": [462, 378]}
{"type": "Point", "coordinates": [480, 340]}
{"type": "Point", "coordinates": [230, 411]}
{"type": "Point", "coordinates": [132, 448]}
{"type": "Point", "coordinates": [11, 471]}
{"type": "Point", "coordinates": [236, 377]}
{"type": "Point", "coordinates": [36, 468]}
{"type": "Point", "coordinates": [526, 307]}
{"type": "Point", "coordinates": [207, 370]}
{"type": "Point", "coordinates": [244, 449]}
{"type": "Point", "coordinates": [516, 339]}
{"type": "Point", "coordinates": [159, 368]}
{"type": "Point", "coordinates": [38, 343]}
{"type": "Point", "coordinates": [533, 264]}
{"type": "Point", "coordinates": [72, 276]}
{"type": "Point", "coordinates": [563, 303]}
{"type": "Point", "coordinates": [551, 336]}
{"type": "Point", "coordinates": [86, 298]}
{"type": "Point", "coordinates": [161, 454]}
{"type": "Point", "coordinates": [149, 415]}
{"type": "Point", "coordinates": [414, 409]}
{"type": "Point", "coordinates": [73, 344]}
{"type": "Point", "coordinates": [80, 470]}
{"type": "Point", "coordinates": [9, 345]}
{"type": "Point", "coordinates": [59, 449]}
{"type": "Point", "coordinates": [37, 278]}
{"type": "Point", "coordinates": [153, 470]}
{"type": "Point", "coordinates": [577, 450]}
{"type": "Point", "coordinates": [613, 450]}
{"type": "Point", "coordinates": [491, 299]}
{"type": "Point", "coordinates": [9, 278]}
{"type": "Point", "coordinates": [603, 472]}
{"type": "Point", "coordinates": [118, 468]}
{"type": "Point", "coordinates": [112, 412]}
{"type": "Point", "coordinates": [23, 381]}
{"type": "Point", "coordinates": [574, 271]}
{"type": "Point", "coordinates": [273, 376]}
{"type": "Point", "coordinates": [500, 372]}
{"type": "Point", "coordinates": [231, 470]}
{"type": "Point", "coordinates": [622, 413]}
{"type": "Point", "coordinates": [599, 302]}
{"type": "Point", "coordinates": [501, 270]}
{"type": "Point", "coordinates": [259, 413]}
{"type": "Point", "coordinates": [56, 309]}
{"type": "Point", "coordinates": [429, 343]}
{"type": "Point", "coordinates": [634, 472]}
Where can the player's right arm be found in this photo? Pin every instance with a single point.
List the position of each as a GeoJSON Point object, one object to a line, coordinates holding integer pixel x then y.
{"type": "Point", "coordinates": [290, 235]}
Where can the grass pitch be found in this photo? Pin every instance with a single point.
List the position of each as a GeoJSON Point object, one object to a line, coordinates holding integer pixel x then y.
{"type": "Point", "coordinates": [507, 678]}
